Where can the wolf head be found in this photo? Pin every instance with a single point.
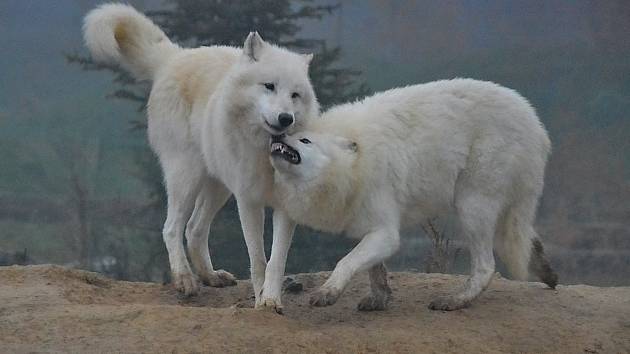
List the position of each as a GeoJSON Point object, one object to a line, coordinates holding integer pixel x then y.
{"type": "Point", "coordinates": [311, 157]}
{"type": "Point", "coordinates": [315, 178]}
{"type": "Point", "coordinates": [271, 89]}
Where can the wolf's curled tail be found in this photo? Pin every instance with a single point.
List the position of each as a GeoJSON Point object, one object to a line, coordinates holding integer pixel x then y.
{"type": "Point", "coordinates": [118, 34]}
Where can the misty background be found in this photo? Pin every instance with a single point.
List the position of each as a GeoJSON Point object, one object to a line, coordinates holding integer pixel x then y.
{"type": "Point", "coordinates": [79, 186]}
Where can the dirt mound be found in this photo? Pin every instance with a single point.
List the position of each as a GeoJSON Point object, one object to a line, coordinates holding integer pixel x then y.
{"type": "Point", "coordinates": [54, 309]}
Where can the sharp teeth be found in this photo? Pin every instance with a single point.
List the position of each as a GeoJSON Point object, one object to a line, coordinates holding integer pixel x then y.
{"type": "Point", "coordinates": [276, 147]}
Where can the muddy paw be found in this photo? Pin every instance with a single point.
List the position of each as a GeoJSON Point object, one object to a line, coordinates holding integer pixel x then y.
{"type": "Point", "coordinates": [219, 279]}
{"type": "Point", "coordinates": [270, 305]}
{"type": "Point", "coordinates": [324, 297]}
{"type": "Point", "coordinates": [373, 303]}
{"type": "Point", "coordinates": [447, 303]}
{"type": "Point", "coordinates": [186, 284]}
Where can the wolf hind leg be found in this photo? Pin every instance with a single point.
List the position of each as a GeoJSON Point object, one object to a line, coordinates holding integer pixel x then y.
{"type": "Point", "coordinates": [380, 292]}
{"type": "Point", "coordinates": [212, 196]}
{"type": "Point", "coordinates": [183, 178]}
{"type": "Point", "coordinates": [477, 216]}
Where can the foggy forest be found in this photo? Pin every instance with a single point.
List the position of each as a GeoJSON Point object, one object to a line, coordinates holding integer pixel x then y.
{"type": "Point", "coordinates": [80, 186]}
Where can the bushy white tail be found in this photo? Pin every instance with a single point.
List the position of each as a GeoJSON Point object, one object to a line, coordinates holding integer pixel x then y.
{"type": "Point", "coordinates": [519, 247]}
{"type": "Point", "coordinates": [514, 242]}
{"type": "Point", "coordinates": [119, 34]}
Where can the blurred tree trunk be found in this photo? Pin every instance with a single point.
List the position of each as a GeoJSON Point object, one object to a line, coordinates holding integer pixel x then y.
{"type": "Point", "coordinates": [80, 207]}
{"type": "Point", "coordinates": [82, 160]}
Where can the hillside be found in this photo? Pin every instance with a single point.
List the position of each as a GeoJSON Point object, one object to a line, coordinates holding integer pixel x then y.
{"type": "Point", "coordinates": [53, 309]}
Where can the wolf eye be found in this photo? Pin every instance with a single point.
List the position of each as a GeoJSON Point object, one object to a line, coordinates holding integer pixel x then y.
{"type": "Point", "coordinates": [305, 141]}
{"type": "Point", "coordinates": [295, 95]}
{"type": "Point", "coordinates": [270, 86]}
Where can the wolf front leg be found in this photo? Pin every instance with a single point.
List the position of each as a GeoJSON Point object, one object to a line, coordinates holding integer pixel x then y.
{"type": "Point", "coordinates": [374, 249]}
{"type": "Point", "coordinates": [183, 178]}
{"type": "Point", "coordinates": [210, 200]}
{"type": "Point", "coordinates": [283, 228]}
{"type": "Point", "coordinates": [252, 217]}
{"type": "Point", "coordinates": [380, 292]}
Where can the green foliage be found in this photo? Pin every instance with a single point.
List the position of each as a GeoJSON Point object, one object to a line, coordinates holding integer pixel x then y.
{"type": "Point", "coordinates": [205, 23]}
{"type": "Point", "coordinates": [129, 88]}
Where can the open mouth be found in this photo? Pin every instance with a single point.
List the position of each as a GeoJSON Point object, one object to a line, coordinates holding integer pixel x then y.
{"type": "Point", "coordinates": [280, 149]}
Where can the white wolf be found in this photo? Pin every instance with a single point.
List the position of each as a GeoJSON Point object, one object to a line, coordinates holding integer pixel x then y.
{"type": "Point", "coordinates": [219, 105]}
{"type": "Point", "coordinates": [401, 156]}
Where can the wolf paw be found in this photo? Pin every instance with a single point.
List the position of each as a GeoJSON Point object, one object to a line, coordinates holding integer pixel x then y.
{"type": "Point", "coordinates": [186, 284]}
{"type": "Point", "coordinates": [270, 305]}
{"type": "Point", "coordinates": [373, 303]}
{"type": "Point", "coordinates": [324, 297]}
{"type": "Point", "coordinates": [218, 279]}
{"type": "Point", "coordinates": [448, 303]}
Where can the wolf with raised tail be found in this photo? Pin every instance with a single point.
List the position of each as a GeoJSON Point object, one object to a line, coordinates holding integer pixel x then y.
{"type": "Point", "coordinates": [211, 113]}
{"type": "Point", "coordinates": [405, 155]}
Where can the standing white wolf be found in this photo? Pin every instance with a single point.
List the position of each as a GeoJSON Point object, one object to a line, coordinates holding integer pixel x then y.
{"type": "Point", "coordinates": [219, 105]}
{"type": "Point", "coordinates": [408, 154]}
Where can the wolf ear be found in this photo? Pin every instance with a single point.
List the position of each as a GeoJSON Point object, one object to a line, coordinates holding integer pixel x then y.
{"type": "Point", "coordinates": [253, 46]}
{"type": "Point", "coordinates": [307, 58]}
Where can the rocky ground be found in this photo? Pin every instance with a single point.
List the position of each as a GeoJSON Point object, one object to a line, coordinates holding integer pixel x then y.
{"type": "Point", "coordinates": [54, 309]}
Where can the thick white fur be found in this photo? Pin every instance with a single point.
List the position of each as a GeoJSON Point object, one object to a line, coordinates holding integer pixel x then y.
{"type": "Point", "coordinates": [117, 33]}
{"type": "Point", "coordinates": [210, 104]}
{"type": "Point", "coordinates": [408, 154]}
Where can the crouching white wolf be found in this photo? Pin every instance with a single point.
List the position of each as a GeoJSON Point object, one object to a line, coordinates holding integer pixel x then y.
{"type": "Point", "coordinates": [219, 105]}
{"type": "Point", "coordinates": [408, 154]}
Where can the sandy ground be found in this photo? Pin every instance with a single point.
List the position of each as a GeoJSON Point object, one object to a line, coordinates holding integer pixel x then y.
{"type": "Point", "coordinates": [53, 309]}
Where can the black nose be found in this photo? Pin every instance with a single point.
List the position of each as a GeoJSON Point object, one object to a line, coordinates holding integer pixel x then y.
{"type": "Point", "coordinates": [285, 119]}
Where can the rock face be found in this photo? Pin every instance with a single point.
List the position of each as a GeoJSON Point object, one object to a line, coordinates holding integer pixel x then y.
{"type": "Point", "coordinates": [54, 309]}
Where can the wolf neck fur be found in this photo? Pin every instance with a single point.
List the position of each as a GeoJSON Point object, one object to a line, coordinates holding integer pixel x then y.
{"type": "Point", "coordinates": [237, 145]}
{"type": "Point", "coordinates": [322, 203]}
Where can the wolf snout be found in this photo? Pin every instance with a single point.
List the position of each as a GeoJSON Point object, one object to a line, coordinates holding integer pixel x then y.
{"type": "Point", "coordinates": [285, 119]}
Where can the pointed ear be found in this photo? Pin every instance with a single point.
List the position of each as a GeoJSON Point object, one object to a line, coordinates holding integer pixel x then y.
{"type": "Point", "coordinates": [307, 58]}
{"type": "Point", "coordinates": [253, 46]}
